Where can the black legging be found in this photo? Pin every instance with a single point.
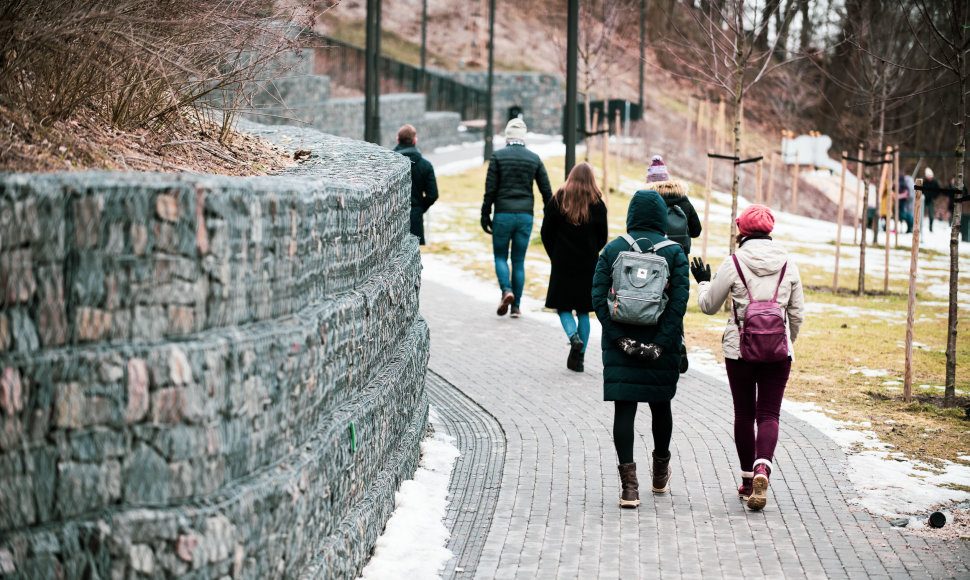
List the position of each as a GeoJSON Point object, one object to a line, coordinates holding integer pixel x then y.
{"type": "Point", "coordinates": [626, 412]}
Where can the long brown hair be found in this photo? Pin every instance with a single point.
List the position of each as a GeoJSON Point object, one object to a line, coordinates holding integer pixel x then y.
{"type": "Point", "coordinates": [578, 194]}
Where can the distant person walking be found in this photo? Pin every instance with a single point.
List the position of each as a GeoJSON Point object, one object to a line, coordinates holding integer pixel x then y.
{"type": "Point", "coordinates": [759, 277]}
{"type": "Point", "coordinates": [574, 230]}
{"type": "Point", "coordinates": [508, 189]}
{"type": "Point", "coordinates": [682, 221]}
{"type": "Point", "coordinates": [906, 193]}
{"type": "Point", "coordinates": [424, 187]}
{"type": "Point", "coordinates": [640, 363]}
{"type": "Point", "coordinates": [931, 189]}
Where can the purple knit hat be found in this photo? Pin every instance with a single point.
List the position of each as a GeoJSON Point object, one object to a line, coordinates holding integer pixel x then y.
{"type": "Point", "coordinates": [657, 170]}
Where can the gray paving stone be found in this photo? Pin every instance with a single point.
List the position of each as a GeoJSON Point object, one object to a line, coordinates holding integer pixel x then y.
{"type": "Point", "coordinates": [556, 513]}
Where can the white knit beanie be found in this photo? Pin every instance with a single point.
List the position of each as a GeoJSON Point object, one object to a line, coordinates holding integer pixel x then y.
{"type": "Point", "coordinates": [515, 129]}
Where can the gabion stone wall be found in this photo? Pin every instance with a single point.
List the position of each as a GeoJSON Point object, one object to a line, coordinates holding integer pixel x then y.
{"type": "Point", "coordinates": [541, 96]}
{"type": "Point", "coordinates": [301, 98]}
{"type": "Point", "coordinates": [208, 377]}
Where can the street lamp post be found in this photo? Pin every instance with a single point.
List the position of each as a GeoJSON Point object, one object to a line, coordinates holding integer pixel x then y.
{"type": "Point", "coordinates": [372, 83]}
{"type": "Point", "coordinates": [489, 128]}
{"type": "Point", "coordinates": [572, 49]}
{"type": "Point", "coordinates": [643, 28]}
{"type": "Point", "coordinates": [424, 36]}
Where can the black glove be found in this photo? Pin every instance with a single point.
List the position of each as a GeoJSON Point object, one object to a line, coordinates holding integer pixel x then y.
{"type": "Point", "coordinates": [487, 223]}
{"type": "Point", "coordinates": [637, 349]}
{"type": "Point", "coordinates": [700, 270]}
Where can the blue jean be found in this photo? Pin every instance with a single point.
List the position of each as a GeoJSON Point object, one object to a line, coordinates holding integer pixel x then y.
{"type": "Point", "coordinates": [511, 229]}
{"type": "Point", "coordinates": [569, 324]}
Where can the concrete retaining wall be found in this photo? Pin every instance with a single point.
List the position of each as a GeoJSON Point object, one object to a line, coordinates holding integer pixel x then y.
{"type": "Point", "coordinates": [208, 376]}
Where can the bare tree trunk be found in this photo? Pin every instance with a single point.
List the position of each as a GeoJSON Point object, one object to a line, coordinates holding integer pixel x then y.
{"type": "Point", "coordinates": [738, 114]}
{"type": "Point", "coordinates": [771, 7]}
{"type": "Point", "coordinates": [805, 36]}
{"type": "Point", "coordinates": [949, 394]}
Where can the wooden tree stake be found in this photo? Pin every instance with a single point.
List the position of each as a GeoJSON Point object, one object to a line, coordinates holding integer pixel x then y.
{"type": "Point", "coordinates": [911, 303]}
{"type": "Point", "coordinates": [838, 235]}
{"type": "Point", "coordinates": [862, 242]}
{"type": "Point", "coordinates": [606, 151]}
{"type": "Point", "coordinates": [757, 194]}
{"type": "Point", "coordinates": [721, 136]}
{"type": "Point", "coordinates": [771, 178]}
{"type": "Point", "coordinates": [858, 196]}
{"type": "Point", "coordinates": [889, 210]}
{"type": "Point", "coordinates": [895, 191]}
{"type": "Point", "coordinates": [707, 206]}
{"type": "Point", "coordinates": [690, 120]}
{"type": "Point", "coordinates": [618, 176]}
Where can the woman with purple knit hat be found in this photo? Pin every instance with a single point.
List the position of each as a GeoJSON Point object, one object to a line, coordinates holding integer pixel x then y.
{"type": "Point", "coordinates": [682, 221]}
{"type": "Point", "coordinates": [760, 275]}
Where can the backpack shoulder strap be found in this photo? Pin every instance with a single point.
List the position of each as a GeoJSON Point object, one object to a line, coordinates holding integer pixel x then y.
{"type": "Point", "coordinates": [633, 243]}
{"type": "Point", "coordinates": [780, 278]}
{"type": "Point", "coordinates": [664, 244]}
{"type": "Point", "coordinates": [734, 306]}
{"type": "Point", "coordinates": [737, 266]}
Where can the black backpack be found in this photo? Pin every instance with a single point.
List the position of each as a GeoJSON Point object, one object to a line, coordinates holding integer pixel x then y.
{"type": "Point", "coordinates": [677, 227]}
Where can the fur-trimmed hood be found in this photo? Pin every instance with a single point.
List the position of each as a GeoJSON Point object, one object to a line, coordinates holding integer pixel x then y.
{"type": "Point", "coordinates": [672, 189]}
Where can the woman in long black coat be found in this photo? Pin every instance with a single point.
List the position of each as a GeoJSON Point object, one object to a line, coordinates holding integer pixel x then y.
{"type": "Point", "coordinates": [573, 232]}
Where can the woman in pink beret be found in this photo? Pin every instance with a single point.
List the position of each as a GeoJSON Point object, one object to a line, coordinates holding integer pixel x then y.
{"type": "Point", "coordinates": [767, 311]}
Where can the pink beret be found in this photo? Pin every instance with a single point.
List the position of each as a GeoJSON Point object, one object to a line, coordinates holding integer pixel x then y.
{"type": "Point", "coordinates": [755, 219]}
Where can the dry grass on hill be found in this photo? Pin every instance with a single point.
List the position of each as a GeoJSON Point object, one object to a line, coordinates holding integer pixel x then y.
{"type": "Point", "coordinates": [86, 141]}
{"type": "Point", "coordinates": [125, 84]}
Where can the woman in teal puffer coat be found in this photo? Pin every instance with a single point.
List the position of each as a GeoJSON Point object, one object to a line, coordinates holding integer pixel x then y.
{"type": "Point", "coordinates": [641, 363]}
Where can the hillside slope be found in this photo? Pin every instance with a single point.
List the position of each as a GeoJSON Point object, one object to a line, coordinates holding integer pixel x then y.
{"type": "Point", "coordinates": [530, 37]}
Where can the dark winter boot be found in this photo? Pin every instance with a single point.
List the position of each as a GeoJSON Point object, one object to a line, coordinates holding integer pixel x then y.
{"type": "Point", "coordinates": [661, 473]}
{"type": "Point", "coordinates": [580, 360]}
{"type": "Point", "coordinates": [575, 353]}
{"type": "Point", "coordinates": [503, 305]}
{"type": "Point", "coordinates": [744, 492]}
{"type": "Point", "coordinates": [759, 485]}
{"type": "Point", "coordinates": [629, 494]}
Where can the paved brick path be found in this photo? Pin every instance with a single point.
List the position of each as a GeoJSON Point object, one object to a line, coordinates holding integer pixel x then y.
{"type": "Point", "coordinates": [556, 513]}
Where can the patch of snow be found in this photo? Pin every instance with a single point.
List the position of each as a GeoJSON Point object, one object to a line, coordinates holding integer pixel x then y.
{"type": "Point", "coordinates": [887, 482]}
{"type": "Point", "coordinates": [414, 540]}
{"type": "Point", "coordinates": [703, 360]}
{"type": "Point", "coordinates": [867, 372]}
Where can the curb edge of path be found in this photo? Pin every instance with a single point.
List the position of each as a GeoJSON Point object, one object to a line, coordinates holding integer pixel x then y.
{"type": "Point", "coordinates": [477, 477]}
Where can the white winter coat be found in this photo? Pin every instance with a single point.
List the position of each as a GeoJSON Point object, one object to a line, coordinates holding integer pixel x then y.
{"type": "Point", "coordinates": [761, 260]}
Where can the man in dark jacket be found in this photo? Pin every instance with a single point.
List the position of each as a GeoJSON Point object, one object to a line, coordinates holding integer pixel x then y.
{"type": "Point", "coordinates": [424, 188]}
{"type": "Point", "coordinates": [508, 187]}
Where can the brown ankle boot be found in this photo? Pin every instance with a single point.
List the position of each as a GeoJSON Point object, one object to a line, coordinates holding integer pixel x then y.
{"type": "Point", "coordinates": [661, 473]}
{"type": "Point", "coordinates": [759, 485]}
{"type": "Point", "coordinates": [629, 496]}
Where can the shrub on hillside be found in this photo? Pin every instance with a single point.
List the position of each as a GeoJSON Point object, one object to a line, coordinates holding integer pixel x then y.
{"type": "Point", "coordinates": [136, 63]}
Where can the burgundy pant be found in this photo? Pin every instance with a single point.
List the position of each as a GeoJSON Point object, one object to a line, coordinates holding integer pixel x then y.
{"type": "Point", "coordinates": [757, 390]}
